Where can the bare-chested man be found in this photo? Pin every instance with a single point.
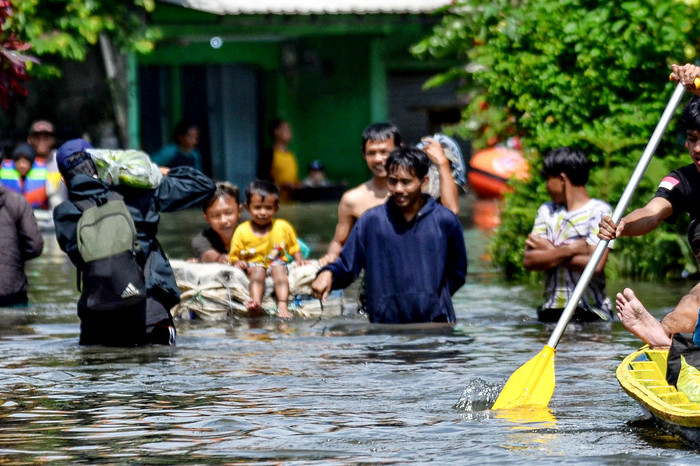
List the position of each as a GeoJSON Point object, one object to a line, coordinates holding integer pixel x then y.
{"type": "Point", "coordinates": [378, 140]}
{"type": "Point", "coordinates": [677, 193]}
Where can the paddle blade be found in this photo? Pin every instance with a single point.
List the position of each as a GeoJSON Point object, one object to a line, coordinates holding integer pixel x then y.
{"type": "Point", "coordinates": [531, 385]}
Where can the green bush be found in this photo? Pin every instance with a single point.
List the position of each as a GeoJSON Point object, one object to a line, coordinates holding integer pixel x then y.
{"type": "Point", "coordinates": [593, 75]}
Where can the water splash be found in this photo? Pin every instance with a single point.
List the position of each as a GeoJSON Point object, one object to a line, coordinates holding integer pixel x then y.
{"type": "Point", "coordinates": [479, 395]}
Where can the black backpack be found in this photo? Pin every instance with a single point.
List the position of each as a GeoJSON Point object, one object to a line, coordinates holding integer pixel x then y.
{"type": "Point", "coordinates": [112, 277]}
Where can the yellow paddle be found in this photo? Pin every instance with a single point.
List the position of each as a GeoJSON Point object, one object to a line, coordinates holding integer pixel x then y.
{"type": "Point", "coordinates": [533, 383]}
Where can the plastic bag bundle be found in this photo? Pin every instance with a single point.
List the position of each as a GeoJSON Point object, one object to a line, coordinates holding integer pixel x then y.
{"type": "Point", "coordinates": [128, 167]}
{"type": "Point", "coordinates": [454, 154]}
{"type": "Point", "coordinates": [689, 381]}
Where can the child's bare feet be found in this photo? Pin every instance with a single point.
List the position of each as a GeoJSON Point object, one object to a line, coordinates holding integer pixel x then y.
{"type": "Point", "coordinates": [637, 320]}
{"type": "Point", "coordinates": [254, 308]}
{"type": "Point", "coordinates": [283, 310]}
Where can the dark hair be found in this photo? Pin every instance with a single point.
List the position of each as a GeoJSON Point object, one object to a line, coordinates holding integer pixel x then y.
{"type": "Point", "coordinates": [380, 132]}
{"type": "Point", "coordinates": [182, 127]}
{"type": "Point", "coordinates": [690, 119]}
{"type": "Point", "coordinates": [412, 159]}
{"type": "Point", "coordinates": [273, 125]}
{"type": "Point", "coordinates": [262, 188]}
{"type": "Point", "coordinates": [567, 160]}
{"type": "Point", "coordinates": [223, 188]}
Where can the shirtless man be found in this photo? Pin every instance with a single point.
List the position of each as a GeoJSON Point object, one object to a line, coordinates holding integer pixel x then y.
{"type": "Point", "coordinates": [378, 140]}
{"type": "Point", "coordinates": [675, 195]}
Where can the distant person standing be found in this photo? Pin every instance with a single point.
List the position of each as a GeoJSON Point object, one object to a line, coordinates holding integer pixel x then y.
{"type": "Point", "coordinates": [285, 169]}
{"type": "Point", "coordinates": [42, 138]}
{"type": "Point", "coordinates": [26, 175]}
{"type": "Point", "coordinates": [20, 240]}
{"type": "Point", "coordinates": [182, 152]}
{"type": "Point", "coordinates": [564, 237]}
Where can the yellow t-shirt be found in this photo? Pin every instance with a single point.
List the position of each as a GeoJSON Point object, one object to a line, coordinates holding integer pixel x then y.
{"type": "Point", "coordinates": [247, 246]}
{"type": "Point", "coordinates": [284, 167]}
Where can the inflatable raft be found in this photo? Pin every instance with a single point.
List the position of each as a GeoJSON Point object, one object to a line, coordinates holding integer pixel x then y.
{"type": "Point", "coordinates": [219, 292]}
{"type": "Point", "coordinates": [490, 170]}
{"type": "Point", "coordinates": [642, 375]}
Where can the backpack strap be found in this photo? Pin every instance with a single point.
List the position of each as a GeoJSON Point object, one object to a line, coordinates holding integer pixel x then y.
{"type": "Point", "coordinates": [85, 204]}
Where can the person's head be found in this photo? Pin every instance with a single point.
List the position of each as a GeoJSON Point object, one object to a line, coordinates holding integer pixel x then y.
{"type": "Point", "coordinates": [186, 135]}
{"type": "Point", "coordinates": [223, 209]}
{"type": "Point", "coordinates": [407, 175]}
{"type": "Point", "coordinates": [262, 201]}
{"type": "Point", "coordinates": [562, 164]}
{"type": "Point", "coordinates": [42, 138]}
{"type": "Point", "coordinates": [23, 156]}
{"type": "Point", "coordinates": [280, 131]}
{"type": "Point", "coordinates": [72, 159]}
{"type": "Point", "coordinates": [690, 122]}
{"type": "Point", "coordinates": [317, 173]}
{"type": "Point", "coordinates": [378, 140]}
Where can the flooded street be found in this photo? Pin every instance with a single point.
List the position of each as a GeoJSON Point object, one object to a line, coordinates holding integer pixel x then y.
{"type": "Point", "coordinates": [319, 391]}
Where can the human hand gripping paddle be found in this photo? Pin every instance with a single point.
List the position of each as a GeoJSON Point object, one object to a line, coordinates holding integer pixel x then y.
{"type": "Point", "coordinates": [533, 383]}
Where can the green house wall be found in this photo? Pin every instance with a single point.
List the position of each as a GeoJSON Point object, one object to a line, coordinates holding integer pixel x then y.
{"type": "Point", "coordinates": [338, 86]}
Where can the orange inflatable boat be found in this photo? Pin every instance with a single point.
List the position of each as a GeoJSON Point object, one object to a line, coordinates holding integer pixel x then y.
{"type": "Point", "coordinates": [490, 169]}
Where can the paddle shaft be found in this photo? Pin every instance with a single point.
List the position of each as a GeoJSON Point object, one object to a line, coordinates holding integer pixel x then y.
{"type": "Point", "coordinates": [593, 262]}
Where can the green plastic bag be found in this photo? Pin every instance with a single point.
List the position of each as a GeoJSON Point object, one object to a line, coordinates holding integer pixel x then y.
{"type": "Point", "coordinates": [129, 167]}
{"type": "Point", "coordinates": [689, 381]}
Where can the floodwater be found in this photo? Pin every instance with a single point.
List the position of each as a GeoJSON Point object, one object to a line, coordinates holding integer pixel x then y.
{"type": "Point", "coordinates": [319, 391]}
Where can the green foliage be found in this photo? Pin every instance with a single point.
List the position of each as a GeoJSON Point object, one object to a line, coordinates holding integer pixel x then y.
{"type": "Point", "coordinates": [593, 75]}
{"type": "Point", "coordinates": [66, 29]}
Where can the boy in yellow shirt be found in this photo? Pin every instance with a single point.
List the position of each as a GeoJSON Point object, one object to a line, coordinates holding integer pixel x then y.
{"type": "Point", "coordinates": [261, 247]}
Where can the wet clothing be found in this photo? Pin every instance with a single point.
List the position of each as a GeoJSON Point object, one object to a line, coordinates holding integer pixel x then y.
{"type": "Point", "coordinates": [278, 243]}
{"type": "Point", "coordinates": [411, 268]}
{"type": "Point", "coordinates": [184, 187]}
{"type": "Point", "coordinates": [20, 240]}
{"type": "Point", "coordinates": [32, 187]}
{"type": "Point", "coordinates": [207, 239]}
{"type": "Point", "coordinates": [560, 226]}
{"type": "Point", "coordinates": [172, 156]}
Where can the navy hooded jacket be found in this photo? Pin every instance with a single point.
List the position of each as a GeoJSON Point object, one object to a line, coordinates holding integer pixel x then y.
{"type": "Point", "coordinates": [411, 268]}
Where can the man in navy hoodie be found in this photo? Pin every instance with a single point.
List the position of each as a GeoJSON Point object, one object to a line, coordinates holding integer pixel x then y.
{"type": "Point", "coordinates": [411, 248]}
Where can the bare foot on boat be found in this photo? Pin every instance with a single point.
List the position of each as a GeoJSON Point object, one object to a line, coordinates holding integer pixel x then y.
{"type": "Point", "coordinates": [636, 319]}
{"type": "Point", "coordinates": [254, 308]}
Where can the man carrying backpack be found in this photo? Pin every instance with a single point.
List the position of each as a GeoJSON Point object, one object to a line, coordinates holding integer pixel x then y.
{"type": "Point", "coordinates": [112, 308]}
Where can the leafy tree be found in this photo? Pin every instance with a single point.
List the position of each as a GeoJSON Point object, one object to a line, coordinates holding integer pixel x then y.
{"type": "Point", "coordinates": [591, 74]}
{"type": "Point", "coordinates": [13, 63]}
{"type": "Point", "coordinates": [59, 30]}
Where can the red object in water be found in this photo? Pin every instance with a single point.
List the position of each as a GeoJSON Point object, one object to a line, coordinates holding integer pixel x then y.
{"type": "Point", "coordinates": [490, 170]}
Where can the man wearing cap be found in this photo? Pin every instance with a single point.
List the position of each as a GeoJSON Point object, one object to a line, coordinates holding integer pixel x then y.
{"type": "Point", "coordinates": [26, 175]}
{"type": "Point", "coordinates": [43, 138]}
{"type": "Point", "coordinates": [182, 188]}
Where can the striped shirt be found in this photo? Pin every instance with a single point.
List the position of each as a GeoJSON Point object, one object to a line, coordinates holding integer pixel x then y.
{"type": "Point", "coordinates": [560, 227]}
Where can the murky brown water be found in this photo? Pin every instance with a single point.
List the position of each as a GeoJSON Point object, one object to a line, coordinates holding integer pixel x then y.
{"type": "Point", "coordinates": [317, 392]}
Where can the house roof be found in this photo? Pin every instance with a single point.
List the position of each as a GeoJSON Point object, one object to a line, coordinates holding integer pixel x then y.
{"type": "Point", "coordinates": [310, 7]}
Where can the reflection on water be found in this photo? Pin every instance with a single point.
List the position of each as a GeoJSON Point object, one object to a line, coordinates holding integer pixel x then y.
{"type": "Point", "coordinates": [317, 391]}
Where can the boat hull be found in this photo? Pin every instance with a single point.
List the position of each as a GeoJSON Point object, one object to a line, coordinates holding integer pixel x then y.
{"type": "Point", "coordinates": [642, 375]}
{"type": "Point", "coordinates": [490, 170]}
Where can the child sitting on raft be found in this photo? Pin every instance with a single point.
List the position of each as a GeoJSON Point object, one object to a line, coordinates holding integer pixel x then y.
{"type": "Point", "coordinates": [221, 211]}
{"type": "Point", "coordinates": [261, 247]}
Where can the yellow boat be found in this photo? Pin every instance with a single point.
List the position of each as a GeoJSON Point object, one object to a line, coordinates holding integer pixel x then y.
{"type": "Point", "coordinates": [642, 375]}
